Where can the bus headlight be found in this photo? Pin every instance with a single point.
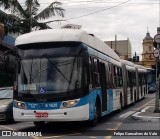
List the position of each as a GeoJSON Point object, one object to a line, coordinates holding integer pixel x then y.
{"type": "Point", "coordinates": [69, 103]}
{"type": "Point", "coordinates": [20, 105]}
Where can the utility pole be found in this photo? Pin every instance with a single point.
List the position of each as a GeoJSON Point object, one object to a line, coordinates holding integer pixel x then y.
{"type": "Point", "coordinates": [157, 55]}
{"type": "Point", "coordinates": [115, 43]}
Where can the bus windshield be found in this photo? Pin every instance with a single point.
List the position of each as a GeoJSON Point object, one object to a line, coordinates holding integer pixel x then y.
{"type": "Point", "coordinates": [53, 72]}
{"type": "Point", "coordinates": [50, 75]}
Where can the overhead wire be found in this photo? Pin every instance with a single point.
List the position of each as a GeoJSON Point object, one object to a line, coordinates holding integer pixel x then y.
{"type": "Point", "coordinates": [105, 9]}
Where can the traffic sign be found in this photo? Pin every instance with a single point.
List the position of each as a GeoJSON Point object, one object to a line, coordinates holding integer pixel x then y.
{"type": "Point", "coordinates": [157, 38]}
{"type": "Point", "coordinates": [156, 53]}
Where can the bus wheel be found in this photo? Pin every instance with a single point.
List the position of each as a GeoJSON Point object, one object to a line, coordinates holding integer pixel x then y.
{"type": "Point", "coordinates": [97, 114]}
{"type": "Point", "coordinates": [39, 123]}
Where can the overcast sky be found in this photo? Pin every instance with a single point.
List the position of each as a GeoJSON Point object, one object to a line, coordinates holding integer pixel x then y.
{"type": "Point", "coordinates": [124, 18]}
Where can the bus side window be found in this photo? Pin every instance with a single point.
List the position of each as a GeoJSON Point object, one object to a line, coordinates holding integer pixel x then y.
{"type": "Point", "coordinates": [140, 78]}
{"type": "Point", "coordinates": [113, 75]}
{"type": "Point", "coordinates": [96, 73]}
{"type": "Point", "coordinates": [129, 79]}
{"type": "Point", "coordinates": [90, 71]}
{"type": "Point", "coordinates": [120, 81]}
{"type": "Point", "coordinates": [107, 75]}
{"type": "Point", "coordinates": [110, 76]}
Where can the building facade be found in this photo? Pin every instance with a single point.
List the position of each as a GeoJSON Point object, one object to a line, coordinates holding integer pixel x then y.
{"type": "Point", "coordinates": [147, 55]}
{"type": "Point", "coordinates": [121, 47]}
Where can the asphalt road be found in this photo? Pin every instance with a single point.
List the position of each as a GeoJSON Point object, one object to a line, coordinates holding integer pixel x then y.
{"type": "Point", "coordinates": [110, 127]}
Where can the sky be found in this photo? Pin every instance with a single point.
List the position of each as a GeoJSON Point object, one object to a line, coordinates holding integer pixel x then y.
{"type": "Point", "coordinates": [107, 18]}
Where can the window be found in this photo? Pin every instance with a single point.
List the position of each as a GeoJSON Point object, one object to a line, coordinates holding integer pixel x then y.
{"type": "Point", "coordinates": [110, 75]}
{"type": "Point", "coordinates": [90, 71]}
{"type": "Point", "coordinates": [150, 57]}
{"type": "Point", "coordinates": [96, 72]}
{"type": "Point", "coordinates": [129, 79]}
{"type": "Point", "coordinates": [150, 48]}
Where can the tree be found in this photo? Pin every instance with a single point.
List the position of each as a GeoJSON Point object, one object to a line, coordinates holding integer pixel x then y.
{"type": "Point", "coordinates": [24, 18]}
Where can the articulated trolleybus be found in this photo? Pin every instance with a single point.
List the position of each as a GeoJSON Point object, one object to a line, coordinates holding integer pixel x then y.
{"type": "Point", "coordinates": [66, 75]}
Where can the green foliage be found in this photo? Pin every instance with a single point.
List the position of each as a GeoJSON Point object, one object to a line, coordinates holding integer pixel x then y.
{"type": "Point", "coordinates": [23, 18]}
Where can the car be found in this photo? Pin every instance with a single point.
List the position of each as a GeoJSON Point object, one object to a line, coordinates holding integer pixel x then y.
{"type": "Point", "coordinates": [6, 104]}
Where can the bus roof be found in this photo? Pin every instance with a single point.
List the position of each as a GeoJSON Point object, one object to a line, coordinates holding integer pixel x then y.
{"type": "Point", "coordinates": [129, 65]}
{"type": "Point", "coordinates": [66, 35]}
{"type": "Point", "coordinates": [141, 68]}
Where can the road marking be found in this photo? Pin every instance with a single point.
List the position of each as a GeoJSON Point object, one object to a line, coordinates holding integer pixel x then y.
{"type": "Point", "coordinates": [107, 137]}
{"type": "Point", "coordinates": [144, 110]}
{"type": "Point", "coordinates": [116, 127]}
{"type": "Point", "coordinates": [125, 115]}
{"type": "Point", "coordinates": [93, 137]}
{"type": "Point", "coordinates": [8, 128]}
{"type": "Point", "coordinates": [144, 105]}
{"type": "Point", "coordinates": [111, 128]}
{"type": "Point", "coordinates": [137, 116]}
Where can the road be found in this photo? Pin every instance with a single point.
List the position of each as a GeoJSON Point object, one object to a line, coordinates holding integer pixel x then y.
{"type": "Point", "coordinates": [117, 123]}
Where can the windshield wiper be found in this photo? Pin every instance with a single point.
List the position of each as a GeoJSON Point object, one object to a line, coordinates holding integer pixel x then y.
{"type": "Point", "coordinates": [53, 64]}
{"type": "Point", "coordinates": [5, 98]}
{"type": "Point", "coordinates": [71, 74]}
{"type": "Point", "coordinates": [31, 77]}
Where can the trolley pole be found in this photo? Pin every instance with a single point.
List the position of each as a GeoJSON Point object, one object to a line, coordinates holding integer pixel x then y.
{"type": "Point", "coordinates": [157, 55]}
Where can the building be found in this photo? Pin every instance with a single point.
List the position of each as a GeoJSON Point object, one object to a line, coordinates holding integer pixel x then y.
{"type": "Point", "coordinates": [5, 42]}
{"type": "Point", "coordinates": [8, 39]}
{"type": "Point", "coordinates": [121, 47]}
{"type": "Point", "coordinates": [147, 55]}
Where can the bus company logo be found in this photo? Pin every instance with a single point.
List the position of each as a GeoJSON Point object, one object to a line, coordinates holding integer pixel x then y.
{"type": "Point", "coordinates": [7, 133]}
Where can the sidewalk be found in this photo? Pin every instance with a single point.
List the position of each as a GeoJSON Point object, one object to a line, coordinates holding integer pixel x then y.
{"type": "Point", "coordinates": [147, 114]}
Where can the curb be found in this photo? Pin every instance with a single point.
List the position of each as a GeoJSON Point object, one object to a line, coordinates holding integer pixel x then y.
{"type": "Point", "coordinates": [144, 118]}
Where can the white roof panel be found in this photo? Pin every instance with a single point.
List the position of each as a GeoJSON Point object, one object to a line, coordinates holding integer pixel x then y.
{"type": "Point", "coordinates": [129, 65]}
{"type": "Point", "coordinates": [64, 35]}
{"type": "Point", "coordinates": [141, 68]}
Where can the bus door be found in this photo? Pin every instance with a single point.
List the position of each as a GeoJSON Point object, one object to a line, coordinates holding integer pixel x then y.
{"type": "Point", "coordinates": [103, 86]}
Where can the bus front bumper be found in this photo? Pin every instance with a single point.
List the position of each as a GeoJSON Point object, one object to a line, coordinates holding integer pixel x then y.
{"type": "Point", "coordinates": [80, 113]}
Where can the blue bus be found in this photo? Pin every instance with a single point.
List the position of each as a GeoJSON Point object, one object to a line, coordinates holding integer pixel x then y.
{"type": "Point", "coordinates": [151, 80]}
{"type": "Point", "coordinates": [66, 75]}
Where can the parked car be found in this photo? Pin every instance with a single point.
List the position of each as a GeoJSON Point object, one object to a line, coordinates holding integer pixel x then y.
{"type": "Point", "coordinates": [6, 103]}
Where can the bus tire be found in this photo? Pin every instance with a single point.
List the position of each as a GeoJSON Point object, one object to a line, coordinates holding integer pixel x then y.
{"type": "Point", "coordinates": [39, 123]}
{"type": "Point", "coordinates": [97, 114]}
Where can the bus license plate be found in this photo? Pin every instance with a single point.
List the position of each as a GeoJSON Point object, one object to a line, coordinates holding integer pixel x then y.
{"type": "Point", "coordinates": [41, 114]}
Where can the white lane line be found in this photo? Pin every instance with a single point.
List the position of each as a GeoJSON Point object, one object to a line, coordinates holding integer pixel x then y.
{"type": "Point", "coordinates": [144, 117]}
{"type": "Point", "coordinates": [8, 128]}
{"type": "Point", "coordinates": [144, 110]}
{"type": "Point", "coordinates": [125, 115]}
